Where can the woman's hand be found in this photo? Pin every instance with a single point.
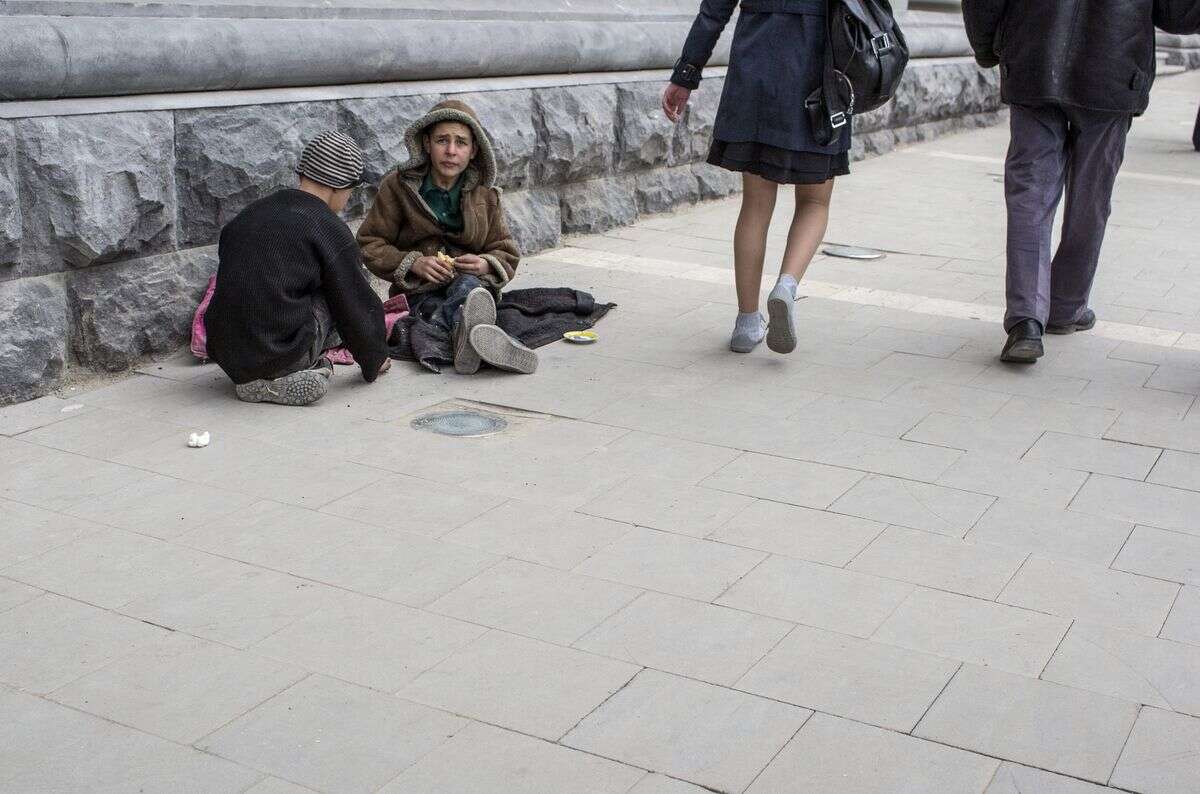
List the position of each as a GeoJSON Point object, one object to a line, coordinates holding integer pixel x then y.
{"type": "Point", "coordinates": [432, 270]}
{"type": "Point", "coordinates": [674, 100]}
{"type": "Point", "coordinates": [472, 264]}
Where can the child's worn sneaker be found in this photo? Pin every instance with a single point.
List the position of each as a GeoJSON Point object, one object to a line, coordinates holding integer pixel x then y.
{"type": "Point", "coordinates": [502, 351]}
{"type": "Point", "coordinates": [299, 388]}
{"type": "Point", "coordinates": [479, 309]}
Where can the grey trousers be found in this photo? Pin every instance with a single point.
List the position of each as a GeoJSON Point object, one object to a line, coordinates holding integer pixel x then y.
{"type": "Point", "coordinates": [1196, 132]}
{"type": "Point", "coordinates": [325, 336]}
{"type": "Point", "coordinates": [1052, 149]}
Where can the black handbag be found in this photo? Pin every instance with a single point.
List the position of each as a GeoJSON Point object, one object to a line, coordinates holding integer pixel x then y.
{"type": "Point", "coordinates": [865, 57]}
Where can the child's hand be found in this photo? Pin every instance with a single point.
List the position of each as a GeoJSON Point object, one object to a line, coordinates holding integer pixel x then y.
{"type": "Point", "coordinates": [472, 264]}
{"type": "Point", "coordinates": [432, 270]}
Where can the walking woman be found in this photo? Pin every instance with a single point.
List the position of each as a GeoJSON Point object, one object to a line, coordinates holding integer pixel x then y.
{"type": "Point", "coordinates": [763, 131]}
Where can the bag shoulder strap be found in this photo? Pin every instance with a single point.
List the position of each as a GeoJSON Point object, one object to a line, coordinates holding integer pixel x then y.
{"type": "Point", "coordinates": [836, 110]}
{"type": "Point", "coordinates": [864, 16]}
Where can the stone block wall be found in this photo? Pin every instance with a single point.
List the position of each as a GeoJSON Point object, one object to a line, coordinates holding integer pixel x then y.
{"type": "Point", "coordinates": [108, 221]}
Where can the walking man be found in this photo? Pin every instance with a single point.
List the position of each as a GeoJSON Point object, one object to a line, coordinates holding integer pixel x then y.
{"type": "Point", "coordinates": [1075, 73]}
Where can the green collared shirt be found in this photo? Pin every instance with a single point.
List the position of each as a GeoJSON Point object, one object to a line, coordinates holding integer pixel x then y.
{"type": "Point", "coordinates": [446, 204]}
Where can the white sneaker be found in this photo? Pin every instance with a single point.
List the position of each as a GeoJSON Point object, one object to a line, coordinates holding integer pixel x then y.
{"type": "Point", "coordinates": [744, 340]}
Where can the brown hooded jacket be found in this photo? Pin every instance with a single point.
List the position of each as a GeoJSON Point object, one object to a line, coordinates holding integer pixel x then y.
{"type": "Point", "coordinates": [401, 227]}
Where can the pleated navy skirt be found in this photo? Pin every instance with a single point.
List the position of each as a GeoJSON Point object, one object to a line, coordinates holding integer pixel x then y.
{"type": "Point", "coordinates": [783, 166]}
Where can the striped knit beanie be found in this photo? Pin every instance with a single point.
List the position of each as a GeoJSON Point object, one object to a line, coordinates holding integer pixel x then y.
{"type": "Point", "coordinates": [333, 159]}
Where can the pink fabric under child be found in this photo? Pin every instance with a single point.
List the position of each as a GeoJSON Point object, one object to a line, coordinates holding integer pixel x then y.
{"type": "Point", "coordinates": [394, 309]}
{"type": "Point", "coordinates": [199, 334]}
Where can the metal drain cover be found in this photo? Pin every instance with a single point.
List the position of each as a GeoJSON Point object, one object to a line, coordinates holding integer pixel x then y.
{"type": "Point", "coordinates": [464, 424]}
{"type": "Point", "coordinates": [853, 252]}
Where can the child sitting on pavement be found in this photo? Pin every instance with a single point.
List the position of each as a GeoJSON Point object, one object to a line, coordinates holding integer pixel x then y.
{"type": "Point", "coordinates": [436, 232]}
{"type": "Point", "coordinates": [290, 285]}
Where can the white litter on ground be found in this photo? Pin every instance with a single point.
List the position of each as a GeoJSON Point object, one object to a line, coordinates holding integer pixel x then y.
{"type": "Point", "coordinates": [198, 440]}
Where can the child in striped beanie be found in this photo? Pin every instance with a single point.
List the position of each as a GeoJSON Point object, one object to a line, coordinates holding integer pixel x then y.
{"type": "Point", "coordinates": [290, 285]}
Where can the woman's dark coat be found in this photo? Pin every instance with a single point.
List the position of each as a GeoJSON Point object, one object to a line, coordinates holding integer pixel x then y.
{"type": "Point", "coordinates": [775, 62]}
{"type": "Point", "coordinates": [1092, 54]}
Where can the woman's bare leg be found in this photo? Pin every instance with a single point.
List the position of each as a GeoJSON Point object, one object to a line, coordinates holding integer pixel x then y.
{"type": "Point", "coordinates": [750, 238]}
{"type": "Point", "coordinates": [808, 228]}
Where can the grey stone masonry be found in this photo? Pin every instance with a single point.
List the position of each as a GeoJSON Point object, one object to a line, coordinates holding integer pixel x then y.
{"type": "Point", "coordinates": [644, 141]}
{"type": "Point", "coordinates": [129, 205]}
{"type": "Point", "coordinates": [95, 189]}
{"type": "Point", "coordinates": [509, 117]}
{"type": "Point", "coordinates": [577, 127]}
{"type": "Point", "coordinates": [127, 310]}
{"type": "Point", "coordinates": [230, 157]}
{"type": "Point", "coordinates": [534, 218]}
{"type": "Point", "coordinates": [664, 188]}
{"type": "Point", "coordinates": [10, 207]}
{"type": "Point", "coordinates": [33, 336]}
{"type": "Point", "coordinates": [598, 205]}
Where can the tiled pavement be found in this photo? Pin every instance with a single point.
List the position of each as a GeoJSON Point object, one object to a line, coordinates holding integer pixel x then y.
{"type": "Point", "coordinates": [886, 563]}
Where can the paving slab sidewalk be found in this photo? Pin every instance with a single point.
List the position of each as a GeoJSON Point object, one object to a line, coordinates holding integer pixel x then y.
{"type": "Point", "coordinates": [885, 563]}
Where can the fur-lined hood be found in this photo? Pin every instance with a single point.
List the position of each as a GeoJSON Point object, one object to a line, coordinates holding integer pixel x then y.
{"type": "Point", "coordinates": [482, 168]}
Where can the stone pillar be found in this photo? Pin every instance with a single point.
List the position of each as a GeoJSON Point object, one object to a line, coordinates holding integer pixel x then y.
{"type": "Point", "coordinates": [51, 57]}
{"type": "Point", "coordinates": [123, 49]}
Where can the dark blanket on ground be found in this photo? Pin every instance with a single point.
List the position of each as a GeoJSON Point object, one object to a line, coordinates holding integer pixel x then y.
{"type": "Point", "coordinates": [536, 317]}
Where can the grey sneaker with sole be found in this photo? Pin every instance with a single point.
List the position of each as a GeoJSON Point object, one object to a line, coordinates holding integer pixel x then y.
{"type": "Point", "coordinates": [299, 388]}
{"type": "Point", "coordinates": [502, 351]}
{"type": "Point", "coordinates": [744, 340]}
{"type": "Point", "coordinates": [781, 328]}
{"type": "Point", "coordinates": [479, 309]}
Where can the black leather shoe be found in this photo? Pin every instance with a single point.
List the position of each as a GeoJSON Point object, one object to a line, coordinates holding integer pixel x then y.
{"type": "Point", "coordinates": [1086, 322]}
{"type": "Point", "coordinates": [1024, 344]}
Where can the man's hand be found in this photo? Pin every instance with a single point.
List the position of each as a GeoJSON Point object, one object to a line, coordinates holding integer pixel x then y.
{"type": "Point", "coordinates": [472, 264]}
{"type": "Point", "coordinates": [986, 58]}
{"type": "Point", "coordinates": [674, 100]}
{"type": "Point", "coordinates": [430, 269]}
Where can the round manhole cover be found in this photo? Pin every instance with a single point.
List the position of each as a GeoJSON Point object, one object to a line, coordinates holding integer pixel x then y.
{"type": "Point", "coordinates": [460, 423]}
{"type": "Point", "coordinates": [853, 252]}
